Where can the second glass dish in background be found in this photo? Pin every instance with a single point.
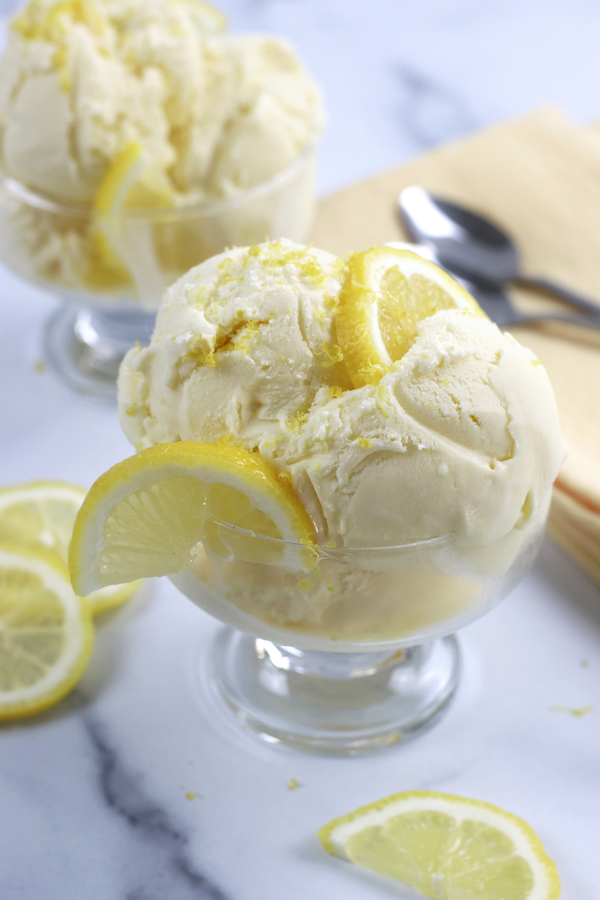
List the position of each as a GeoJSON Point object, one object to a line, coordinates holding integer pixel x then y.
{"type": "Point", "coordinates": [112, 288]}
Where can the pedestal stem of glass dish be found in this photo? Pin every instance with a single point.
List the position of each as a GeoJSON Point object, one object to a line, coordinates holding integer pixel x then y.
{"type": "Point", "coordinates": [85, 347]}
{"type": "Point", "coordinates": [342, 703]}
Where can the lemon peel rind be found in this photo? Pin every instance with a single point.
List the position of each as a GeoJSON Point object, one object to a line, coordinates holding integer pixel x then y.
{"type": "Point", "coordinates": [15, 492]}
{"type": "Point", "coordinates": [335, 834]}
{"type": "Point", "coordinates": [63, 677]}
{"type": "Point", "coordinates": [188, 458]}
{"type": "Point", "coordinates": [112, 596]}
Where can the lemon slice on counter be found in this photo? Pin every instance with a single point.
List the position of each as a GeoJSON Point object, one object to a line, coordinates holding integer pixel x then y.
{"type": "Point", "coordinates": [42, 514]}
{"type": "Point", "coordinates": [131, 182]}
{"type": "Point", "coordinates": [446, 847]}
{"type": "Point", "coordinates": [145, 515]}
{"type": "Point", "coordinates": [46, 632]}
{"type": "Point", "coordinates": [386, 294]}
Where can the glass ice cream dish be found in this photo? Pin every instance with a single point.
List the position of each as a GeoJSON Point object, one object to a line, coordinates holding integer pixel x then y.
{"type": "Point", "coordinates": [379, 664]}
{"type": "Point", "coordinates": [344, 461]}
{"type": "Point", "coordinates": [137, 139]}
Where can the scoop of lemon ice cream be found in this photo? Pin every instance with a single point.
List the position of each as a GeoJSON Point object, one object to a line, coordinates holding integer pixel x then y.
{"type": "Point", "coordinates": [242, 344]}
{"type": "Point", "coordinates": [459, 441]}
{"type": "Point", "coordinates": [81, 79]}
{"type": "Point", "coordinates": [461, 437]}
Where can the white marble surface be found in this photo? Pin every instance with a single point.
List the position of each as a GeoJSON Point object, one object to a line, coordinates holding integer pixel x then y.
{"type": "Point", "coordinates": [92, 794]}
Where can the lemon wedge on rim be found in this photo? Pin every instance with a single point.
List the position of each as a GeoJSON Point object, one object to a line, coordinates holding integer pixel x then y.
{"type": "Point", "coordinates": [386, 294]}
{"type": "Point", "coordinates": [145, 515]}
{"type": "Point", "coordinates": [41, 514]}
{"type": "Point", "coordinates": [46, 632]}
{"type": "Point", "coordinates": [131, 183]}
{"type": "Point", "coordinates": [446, 847]}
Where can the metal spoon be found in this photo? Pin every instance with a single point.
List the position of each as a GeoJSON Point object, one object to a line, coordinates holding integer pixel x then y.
{"type": "Point", "coordinates": [470, 245]}
{"type": "Point", "coordinates": [492, 299]}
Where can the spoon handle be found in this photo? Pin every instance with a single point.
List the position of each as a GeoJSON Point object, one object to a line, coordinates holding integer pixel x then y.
{"type": "Point", "coordinates": [583, 321]}
{"type": "Point", "coordinates": [562, 293]}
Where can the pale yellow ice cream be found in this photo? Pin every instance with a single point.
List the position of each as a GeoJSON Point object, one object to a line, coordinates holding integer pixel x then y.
{"type": "Point", "coordinates": [82, 79]}
{"type": "Point", "coordinates": [214, 115]}
{"type": "Point", "coordinates": [460, 439]}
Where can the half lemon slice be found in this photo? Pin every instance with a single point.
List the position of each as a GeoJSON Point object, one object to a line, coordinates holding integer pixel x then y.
{"type": "Point", "coordinates": [41, 514]}
{"type": "Point", "coordinates": [386, 294]}
{"type": "Point", "coordinates": [131, 182]}
{"type": "Point", "coordinates": [446, 847]}
{"type": "Point", "coordinates": [46, 632]}
{"type": "Point", "coordinates": [145, 515]}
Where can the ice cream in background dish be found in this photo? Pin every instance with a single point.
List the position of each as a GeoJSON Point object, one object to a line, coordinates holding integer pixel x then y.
{"type": "Point", "coordinates": [458, 437]}
{"type": "Point", "coordinates": [84, 84]}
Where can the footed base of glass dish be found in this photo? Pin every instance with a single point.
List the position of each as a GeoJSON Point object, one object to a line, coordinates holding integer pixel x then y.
{"type": "Point", "coordinates": [336, 703]}
{"type": "Point", "coordinates": [84, 347]}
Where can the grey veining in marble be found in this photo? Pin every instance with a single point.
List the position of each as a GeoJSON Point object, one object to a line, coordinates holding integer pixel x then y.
{"type": "Point", "coordinates": [430, 113]}
{"type": "Point", "coordinates": [164, 866]}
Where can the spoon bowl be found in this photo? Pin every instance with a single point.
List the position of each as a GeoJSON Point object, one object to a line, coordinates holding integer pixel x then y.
{"type": "Point", "coordinates": [473, 247]}
{"type": "Point", "coordinates": [465, 242]}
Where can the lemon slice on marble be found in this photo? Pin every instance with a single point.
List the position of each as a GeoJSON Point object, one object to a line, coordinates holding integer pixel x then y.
{"type": "Point", "coordinates": [145, 515]}
{"type": "Point", "coordinates": [46, 632]}
{"type": "Point", "coordinates": [386, 294]}
{"type": "Point", "coordinates": [446, 847]}
{"type": "Point", "coordinates": [131, 182]}
{"type": "Point", "coordinates": [42, 514]}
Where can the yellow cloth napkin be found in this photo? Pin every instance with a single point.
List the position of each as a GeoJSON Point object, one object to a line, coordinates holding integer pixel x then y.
{"type": "Point", "coordinates": [539, 177]}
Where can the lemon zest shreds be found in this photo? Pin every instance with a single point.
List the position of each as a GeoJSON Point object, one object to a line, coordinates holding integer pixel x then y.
{"type": "Point", "coordinates": [332, 353]}
{"type": "Point", "coordinates": [38, 22]}
{"type": "Point", "coordinates": [148, 512]}
{"type": "Point", "coordinates": [275, 255]}
{"type": "Point", "coordinates": [294, 423]}
{"type": "Point", "coordinates": [386, 294]}
{"type": "Point", "coordinates": [238, 337]}
{"type": "Point", "coordinates": [578, 712]}
{"type": "Point", "coordinates": [46, 631]}
{"type": "Point", "coordinates": [445, 847]}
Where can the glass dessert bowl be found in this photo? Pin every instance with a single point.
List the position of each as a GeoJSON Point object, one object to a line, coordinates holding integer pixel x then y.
{"type": "Point", "coordinates": [136, 140]}
{"type": "Point", "coordinates": [342, 460]}
{"type": "Point", "coordinates": [343, 650]}
{"type": "Point", "coordinates": [111, 287]}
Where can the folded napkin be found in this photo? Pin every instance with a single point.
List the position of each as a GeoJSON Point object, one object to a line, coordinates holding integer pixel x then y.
{"type": "Point", "coordinates": [539, 177]}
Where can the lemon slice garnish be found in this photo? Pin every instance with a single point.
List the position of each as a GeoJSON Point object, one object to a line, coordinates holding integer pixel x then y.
{"type": "Point", "coordinates": [446, 847]}
{"type": "Point", "coordinates": [386, 294]}
{"type": "Point", "coordinates": [145, 515]}
{"type": "Point", "coordinates": [46, 632]}
{"type": "Point", "coordinates": [41, 515]}
{"type": "Point", "coordinates": [131, 182]}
